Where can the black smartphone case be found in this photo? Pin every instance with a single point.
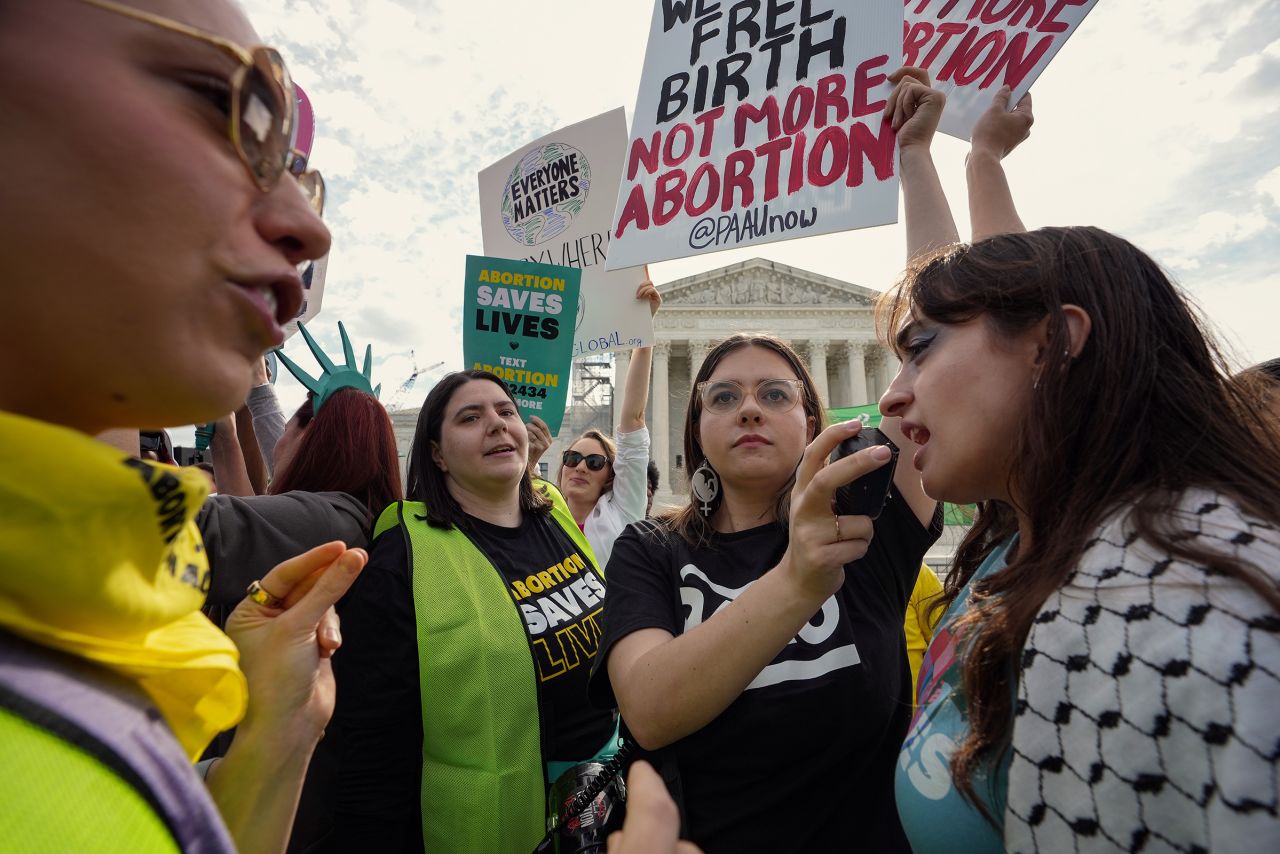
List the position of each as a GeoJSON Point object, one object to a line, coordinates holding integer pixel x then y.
{"type": "Point", "coordinates": [867, 495]}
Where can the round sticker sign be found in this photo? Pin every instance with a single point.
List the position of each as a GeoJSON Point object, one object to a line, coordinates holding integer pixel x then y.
{"type": "Point", "coordinates": [545, 192]}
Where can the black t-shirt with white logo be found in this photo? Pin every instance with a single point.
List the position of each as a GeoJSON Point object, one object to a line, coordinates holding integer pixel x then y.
{"type": "Point", "coordinates": [804, 759]}
{"type": "Point", "coordinates": [562, 600]}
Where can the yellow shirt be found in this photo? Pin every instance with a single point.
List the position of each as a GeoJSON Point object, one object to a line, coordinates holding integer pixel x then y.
{"type": "Point", "coordinates": [917, 624]}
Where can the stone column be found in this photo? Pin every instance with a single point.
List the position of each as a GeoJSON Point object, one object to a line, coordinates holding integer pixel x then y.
{"type": "Point", "coordinates": [658, 431]}
{"type": "Point", "coordinates": [697, 353]}
{"type": "Point", "coordinates": [892, 364]}
{"type": "Point", "coordinates": [857, 364]}
{"type": "Point", "coordinates": [818, 367]}
{"type": "Point", "coordinates": [621, 362]}
{"type": "Point", "coordinates": [882, 372]}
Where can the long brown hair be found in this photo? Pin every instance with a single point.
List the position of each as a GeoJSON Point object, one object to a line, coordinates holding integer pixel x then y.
{"type": "Point", "coordinates": [427, 482]}
{"type": "Point", "coordinates": [688, 521]}
{"type": "Point", "coordinates": [1145, 411]}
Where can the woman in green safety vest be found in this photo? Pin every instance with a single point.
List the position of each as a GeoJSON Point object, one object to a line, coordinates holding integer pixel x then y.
{"type": "Point", "coordinates": [467, 645]}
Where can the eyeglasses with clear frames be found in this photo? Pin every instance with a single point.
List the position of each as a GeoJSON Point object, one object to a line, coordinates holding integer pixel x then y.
{"type": "Point", "coordinates": [725, 396]}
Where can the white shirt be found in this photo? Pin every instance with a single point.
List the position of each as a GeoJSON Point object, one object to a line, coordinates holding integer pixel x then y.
{"type": "Point", "coordinates": [625, 503]}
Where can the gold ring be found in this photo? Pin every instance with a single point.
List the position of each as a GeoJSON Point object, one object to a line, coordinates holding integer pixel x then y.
{"type": "Point", "coordinates": [838, 538]}
{"type": "Point", "coordinates": [259, 594]}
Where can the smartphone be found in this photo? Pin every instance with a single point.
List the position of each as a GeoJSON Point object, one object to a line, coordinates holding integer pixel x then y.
{"type": "Point", "coordinates": [867, 495]}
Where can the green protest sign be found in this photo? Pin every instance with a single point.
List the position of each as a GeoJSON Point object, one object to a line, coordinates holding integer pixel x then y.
{"type": "Point", "coordinates": [518, 322]}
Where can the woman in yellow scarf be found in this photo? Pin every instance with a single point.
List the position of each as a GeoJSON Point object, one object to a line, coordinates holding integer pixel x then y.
{"type": "Point", "coordinates": [153, 217]}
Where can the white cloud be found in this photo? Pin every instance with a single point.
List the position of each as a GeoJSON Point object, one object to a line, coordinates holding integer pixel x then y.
{"type": "Point", "coordinates": [1270, 185]}
{"type": "Point", "coordinates": [1158, 120]}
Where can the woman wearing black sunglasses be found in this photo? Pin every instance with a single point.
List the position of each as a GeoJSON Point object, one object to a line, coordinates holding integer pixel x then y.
{"type": "Point", "coordinates": [605, 482]}
{"type": "Point", "coordinates": [152, 228]}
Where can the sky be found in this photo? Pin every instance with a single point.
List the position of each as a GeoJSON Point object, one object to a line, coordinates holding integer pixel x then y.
{"type": "Point", "coordinates": [1158, 120]}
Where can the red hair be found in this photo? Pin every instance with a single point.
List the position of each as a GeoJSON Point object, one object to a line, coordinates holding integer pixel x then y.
{"type": "Point", "coordinates": [349, 446]}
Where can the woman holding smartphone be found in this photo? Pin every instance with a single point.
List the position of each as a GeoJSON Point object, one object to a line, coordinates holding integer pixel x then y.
{"type": "Point", "coordinates": [753, 639]}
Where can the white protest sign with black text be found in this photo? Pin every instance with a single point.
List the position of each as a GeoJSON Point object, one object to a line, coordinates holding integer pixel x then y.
{"type": "Point", "coordinates": [551, 202]}
{"type": "Point", "coordinates": [973, 47]}
{"type": "Point", "coordinates": [758, 121]}
{"type": "Point", "coordinates": [312, 275]}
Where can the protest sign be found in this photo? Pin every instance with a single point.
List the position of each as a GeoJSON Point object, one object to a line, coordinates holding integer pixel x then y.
{"type": "Point", "coordinates": [758, 121]}
{"type": "Point", "coordinates": [312, 293]}
{"type": "Point", "coordinates": [517, 323]}
{"type": "Point", "coordinates": [304, 131]}
{"type": "Point", "coordinates": [551, 202]}
{"type": "Point", "coordinates": [973, 47]}
{"type": "Point", "coordinates": [313, 273]}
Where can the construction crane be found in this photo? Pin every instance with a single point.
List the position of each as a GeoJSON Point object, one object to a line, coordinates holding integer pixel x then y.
{"type": "Point", "coordinates": [400, 399]}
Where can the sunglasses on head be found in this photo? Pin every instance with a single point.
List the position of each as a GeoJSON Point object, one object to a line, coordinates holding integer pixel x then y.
{"type": "Point", "coordinates": [595, 462]}
{"type": "Point", "coordinates": [263, 108]}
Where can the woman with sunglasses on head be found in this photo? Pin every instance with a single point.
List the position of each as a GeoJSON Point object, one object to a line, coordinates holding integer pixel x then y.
{"type": "Point", "coordinates": [1104, 674]}
{"type": "Point", "coordinates": [468, 643]}
{"type": "Point", "coordinates": [753, 639]}
{"type": "Point", "coordinates": [149, 221]}
{"type": "Point", "coordinates": [603, 482]}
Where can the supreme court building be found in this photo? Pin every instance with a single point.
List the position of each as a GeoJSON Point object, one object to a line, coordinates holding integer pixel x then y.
{"type": "Point", "coordinates": [829, 323]}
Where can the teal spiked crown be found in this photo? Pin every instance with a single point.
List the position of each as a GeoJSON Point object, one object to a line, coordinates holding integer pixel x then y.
{"type": "Point", "coordinates": [334, 376]}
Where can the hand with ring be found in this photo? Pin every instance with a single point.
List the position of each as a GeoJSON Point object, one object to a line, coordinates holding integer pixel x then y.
{"type": "Point", "coordinates": [258, 593]}
{"type": "Point", "coordinates": [287, 629]}
{"type": "Point", "coordinates": [821, 543]}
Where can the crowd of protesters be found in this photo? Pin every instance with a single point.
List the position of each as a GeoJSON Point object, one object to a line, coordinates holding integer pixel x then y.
{"type": "Point", "coordinates": [475, 661]}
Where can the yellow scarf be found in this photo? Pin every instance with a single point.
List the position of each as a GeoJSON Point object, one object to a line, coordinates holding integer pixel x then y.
{"type": "Point", "coordinates": [100, 557]}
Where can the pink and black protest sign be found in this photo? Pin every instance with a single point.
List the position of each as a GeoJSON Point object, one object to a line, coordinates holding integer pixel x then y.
{"type": "Point", "coordinates": [758, 121]}
{"type": "Point", "coordinates": [973, 47]}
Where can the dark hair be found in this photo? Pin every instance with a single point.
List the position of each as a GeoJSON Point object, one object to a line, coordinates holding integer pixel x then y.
{"type": "Point", "coordinates": [1269, 369]}
{"type": "Point", "coordinates": [1262, 382]}
{"type": "Point", "coordinates": [610, 454]}
{"type": "Point", "coordinates": [349, 446]}
{"type": "Point", "coordinates": [427, 482]}
{"type": "Point", "coordinates": [688, 521]}
{"type": "Point", "coordinates": [207, 468]}
{"type": "Point", "coordinates": [1145, 411]}
{"type": "Point", "coordinates": [652, 473]}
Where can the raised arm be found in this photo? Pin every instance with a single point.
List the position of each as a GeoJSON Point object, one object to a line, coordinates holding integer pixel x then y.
{"type": "Point", "coordinates": [268, 418]}
{"type": "Point", "coordinates": [998, 132]}
{"type": "Point", "coordinates": [635, 393]}
{"type": "Point", "coordinates": [914, 110]}
{"type": "Point", "coordinates": [255, 467]}
{"type": "Point", "coordinates": [228, 459]}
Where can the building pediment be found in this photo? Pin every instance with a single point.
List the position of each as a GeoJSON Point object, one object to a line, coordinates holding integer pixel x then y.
{"type": "Point", "coordinates": [761, 282]}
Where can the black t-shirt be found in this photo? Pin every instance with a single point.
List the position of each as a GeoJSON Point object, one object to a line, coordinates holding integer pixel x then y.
{"type": "Point", "coordinates": [562, 600]}
{"type": "Point", "coordinates": [362, 789]}
{"type": "Point", "coordinates": [804, 759]}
